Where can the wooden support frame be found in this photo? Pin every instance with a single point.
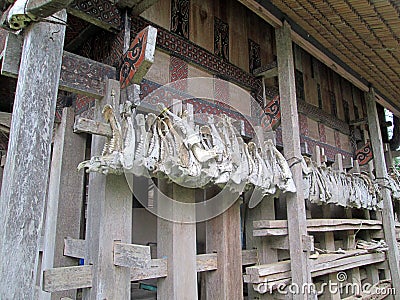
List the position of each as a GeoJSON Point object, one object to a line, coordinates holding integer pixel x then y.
{"type": "Point", "coordinates": [296, 211]}
{"type": "Point", "coordinates": [109, 219]}
{"type": "Point", "coordinates": [381, 172]}
{"type": "Point", "coordinates": [177, 242]}
{"type": "Point", "coordinates": [64, 204]}
{"type": "Point", "coordinates": [223, 237]}
{"type": "Point", "coordinates": [78, 74]}
{"type": "Point", "coordinates": [27, 167]}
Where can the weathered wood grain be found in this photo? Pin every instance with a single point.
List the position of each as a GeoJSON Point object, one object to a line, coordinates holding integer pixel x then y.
{"type": "Point", "coordinates": [296, 212]}
{"type": "Point", "coordinates": [74, 247]}
{"type": "Point", "coordinates": [177, 242]}
{"type": "Point", "coordinates": [83, 125]}
{"type": "Point", "coordinates": [67, 278]}
{"type": "Point", "coordinates": [223, 237]}
{"type": "Point", "coordinates": [65, 196]}
{"type": "Point", "coordinates": [131, 256]}
{"type": "Point", "coordinates": [109, 219]}
{"type": "Point", "coordinates": [78, 74]}
{"type": "Point", "coordinates": [26, 171]}
{"type": "Point", "coordinates": [388, 219]}
{"type": "Point", "coordinates": [12, 55]}
{"type": "Point", "coordinates": [157, 269]}
{"type": "Point", "coordinates": [206, 262]}
{"type": "Point", "coordinates": [46, 8]}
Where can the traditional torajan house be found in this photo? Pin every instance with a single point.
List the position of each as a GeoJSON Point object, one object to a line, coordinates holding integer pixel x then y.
{"type": "Point", "coordinates": [232, 149]}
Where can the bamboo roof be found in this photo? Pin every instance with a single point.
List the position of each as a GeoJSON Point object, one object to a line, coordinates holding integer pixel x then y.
{"type": "Point", "coordinates": [363, 34]}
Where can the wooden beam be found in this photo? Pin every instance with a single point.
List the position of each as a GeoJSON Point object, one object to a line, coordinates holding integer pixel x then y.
{"type": "Point", "coordinates": [83, 125]}
{"type": "Point", "coordinates": [157, 269]}
{"type": "Point", "coordinates": [249, 257]}
{"type": "Point", "coordinates": [46, 8]}
{"type": "Point", "coordinates": [74, 248]}
{"type": "Point", "coordinates": [78, 74]}
{"type": "Point", "coordinates": [67, 278]}
{"type": "Point", "coordinates": [109, 219]}
{"type": "Point", "coordinates": [131, 256]}
{"type": "Point", "coordinates": [177, 242]}
{"type": "Point", "coordinates": [102, 13]}
{"type": "Point", "coordinates": [26, 171]}
{"type": "Point", "coordinates": [262, 12]}
{"type": "Point", "coordinates": [388, 219]}
{"type": "Point", "coordinates": [137, 6]}
{"type": "Point", "coordinates": [223, 237]}
{"type": "Point", "coordinates": [12, 55]}
{"type": "Point", "coordinates": [296, 212]}
{"type": "Point", "coordinates": [206, 262]}
{"type": "Point", "coordinates": [65, 196]}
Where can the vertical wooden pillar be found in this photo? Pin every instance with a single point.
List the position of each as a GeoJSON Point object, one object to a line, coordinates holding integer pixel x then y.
{"type": "Point", "coordinates": [27, 169]}
{"type": "Point", "coordinates": [109, 219]}
{"type": "Point", "coordinates": [381, 172]}
{"type": "Point", "coordinates": [223, 237]}
{"type": "Point", "coordinates": [64, 205]}
{"type": "Point", "coordinates": [296, 211]}
{"type": "Point", "coordinates": [177, 243]}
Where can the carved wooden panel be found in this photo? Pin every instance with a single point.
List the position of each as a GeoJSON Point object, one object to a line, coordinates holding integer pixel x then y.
{"type": "Point", "coordinates": [221, 38]}
{"type": "Point", "coordinates": [102, 13]}
{"type": "Point", "coordinates": [364, 155]}
{"type": "Point", "coordinates": [180, 17]}
{"type": "Point", "coordinates": [254, 56]}
{"type": "Point", "coordinates": [139, 57]}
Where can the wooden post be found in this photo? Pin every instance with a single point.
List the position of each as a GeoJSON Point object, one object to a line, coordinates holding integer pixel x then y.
{"type": "Point", "coordinates": [223, 238]}
{"type": "Point", "coordinates": [177, 243]}
{"type": "Point", "coordinates": [27, 169]}
{"type": "Point", "coordinates": [296, 211]}
{"type": "Point", "coordinates": [64, 205]}
{"type": "Point", "coordinates": [381, 172]}
{"type": "Point", "coordinates": [263, 211]}
{"type": "Point", "coordinates": [109, 219]}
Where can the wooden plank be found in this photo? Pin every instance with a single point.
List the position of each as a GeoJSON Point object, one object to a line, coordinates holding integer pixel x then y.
{"type": "Point", "coordinates": [296, 212]}
{"type": "Point", "coordinates": [223, 237]}
{"type": "Point", "coordinates": [65, 196]}
{"type": "Point", "coordinates": [177, 242]}
{"type": "Point", "coordinates": [249, 257]}
{"type": "Point", "coordinates": [67, 278]}
{"type": "Point", "coordinates": [206, 262]}
{"type": "Point", "coordinates": [109, 219]}
{"type": "Point", "coordinates": [281, 270]}
{"type": "Point", "coordinates": [158, 269]}
{"type": "Point", "coordinates": [12, 55]}
{"type": "Point", "coordinates": [74, 247]}
{"type": "Point", "coordinates": [388, 219]}
{"type": "Point", "coordinates": [26, 171]}
{"type": "Point", "coordinates": [131, 256]}
{"type": "Point", "coordinates": [102, 13]}
{"type": "Point", "coordinates": [46, 8]}
{"type": "Point", "coordinates": [78, 74]}
{"type": "Point", "coordinates": [261, 11]}
{"type": "Point", "coordinates": [311, 223]}
{"type": "Point", "coordinates": [83, 125]}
